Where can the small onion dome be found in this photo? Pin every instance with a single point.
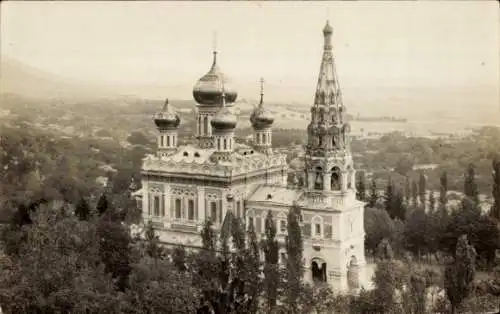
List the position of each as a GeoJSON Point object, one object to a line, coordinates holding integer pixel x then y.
{"type": "Point", "coordinates": [167, 119]}
{"type": "Point", "coordinates": [261, 118]}
{"type": "Point", "coordinates": [224, 120]}
{"type": "Point", "coordinates": [208, 89]}
{"type": "Point", "coordinates": [327, 29]}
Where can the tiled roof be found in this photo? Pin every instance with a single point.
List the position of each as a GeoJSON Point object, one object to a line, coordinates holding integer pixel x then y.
{"type": "Point", "coordinates": [275, 194]}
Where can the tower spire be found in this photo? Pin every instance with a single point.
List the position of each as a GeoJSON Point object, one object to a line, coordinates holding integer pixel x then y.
{"type": "Point", "coordinates": [261, 103]}
{"type": "Point", "coordinates": [214, 47]}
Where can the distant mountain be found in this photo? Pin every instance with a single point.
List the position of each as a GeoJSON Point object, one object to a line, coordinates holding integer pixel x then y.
{"type": "Point", "coordinates": [19, 78]}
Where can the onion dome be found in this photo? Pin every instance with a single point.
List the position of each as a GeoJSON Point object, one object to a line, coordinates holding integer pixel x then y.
{"type": "Point", "coordinates": [208, 89]}
{"type": "Point", "coordinates": [261, 117]}
{"type": "Point", "coordinates": [167, 119]}
{"type": "Point", "coordinates": [224, 120]}
{"type": "Point", "coordinates": [327, 30]}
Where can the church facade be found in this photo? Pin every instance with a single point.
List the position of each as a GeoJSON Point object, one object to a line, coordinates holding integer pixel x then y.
{"type": "Point", "coordinates": [182, 186]}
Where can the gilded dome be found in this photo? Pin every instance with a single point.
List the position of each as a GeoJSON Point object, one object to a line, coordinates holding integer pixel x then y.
{"type": "Point", "coordinates": [208, 90]}
{"type": "Point", "coordinates": [167, 119]}
{"type": "Point", "coordinates": [261, 117]}
{"type": "Point", "coordinates": [224, 120]}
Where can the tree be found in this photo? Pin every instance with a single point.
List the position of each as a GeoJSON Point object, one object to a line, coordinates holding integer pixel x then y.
{"type": "Point", "coordinates": [459, 274]}
{"type": "Point", "coordinates": [115, 249]}
{"type": "Point", "coordinates": [422, 189]}
{"type": "Point", "coordinates": [153, 248]}
{"type": "Point", "coordinates": [414, 193]}
{"type": "Point", "coordinates": [385, 279]}
{"type": "Point", "coordinates": [378, 226]}
{"type": "Point", "coordinates": [481, 230]}
{"type": "Point", "coordinates": [443, 200]}
{"type": "Point", "coordinates": [432, 201]}
{"type": "Point", "coordinates": [179, 258]}
{"type": "Point", "coordinates": [470, 186]}
{"type": "Point", "coordinates": [361, 188]}
{"type": "Point", "coordinates": [373, 198]}
{"type": "Point", "coordinates": [294, 263]}
{"type": "Point", "coordinates": [82, 209]}
{"type": "Point", "coordinates": [419, 233]}
{"type": "Point", "coordinates": [407, 191]}
{"type": "Point", "coordinates": [57, 268]}
{"type": "Point", "coordinates": [271, 267]}
{"type": "Point", "coordinates": [389, 198]}
{"type": "Point", "coordinates": [102, 204]}
{"type": "Point", "coordinates": [404, 165]}
{"type": "Point", "coordinates": [156, 286]}
{"type": "Point", "coordinates": [253, 263]}
{"type": "Point", "coordinates": [495, 208]}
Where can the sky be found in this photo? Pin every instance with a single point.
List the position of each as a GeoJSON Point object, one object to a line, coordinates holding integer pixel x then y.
{"type": "Point", "coordinates": [376, 44]}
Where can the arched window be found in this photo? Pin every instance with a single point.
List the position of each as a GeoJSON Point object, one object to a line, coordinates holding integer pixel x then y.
{"type": "Point", "coordinates": [225, 143]}
{"type": "Point", "coordinates": [157, 206]}
{"type": "Point", "coordinates": [205, 126]}
{"type": "Point", "coordinates": [161, 140]}
{"type": "Point", "coordinates": [263, 138]}
{"type": "Point", "coordinates": [318, 180]}
{"type": "Point", "coordinates": [168, 140]}
{"type": "Point", "coordinates": [178, 214]}
{"type": "Point", "coordinates": [335, 179]}
{"type": "Point", "coordinates": [213, 211]}
{"type": "Point", "coordinates": [320, 140]}
{"type": "Point", "coordinates": [191, 215]}
{"type": "Point", "coordinates": [317, 225]}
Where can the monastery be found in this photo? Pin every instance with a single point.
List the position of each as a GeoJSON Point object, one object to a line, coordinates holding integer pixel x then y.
{"type": "Point", "coordinates": [182, 186]}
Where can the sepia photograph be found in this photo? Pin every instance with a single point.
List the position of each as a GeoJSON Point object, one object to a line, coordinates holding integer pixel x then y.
{"type": "Point", "coordinates": [258, 157]}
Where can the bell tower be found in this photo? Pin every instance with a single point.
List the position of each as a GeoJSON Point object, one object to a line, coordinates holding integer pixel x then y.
{"type": "Point", "coordinates": [328, 159]}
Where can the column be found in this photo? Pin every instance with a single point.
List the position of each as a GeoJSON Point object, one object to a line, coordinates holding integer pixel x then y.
{"type": "Point", "coordinates": [326, 181]}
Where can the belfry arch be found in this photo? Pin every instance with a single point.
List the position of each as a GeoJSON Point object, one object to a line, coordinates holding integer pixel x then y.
{"type": "Point", "coordinates": [335, 181]}
{"type": "Point", "coordinates": [318, 178]}
{"type": "Point", "coordinates": [318, 270]}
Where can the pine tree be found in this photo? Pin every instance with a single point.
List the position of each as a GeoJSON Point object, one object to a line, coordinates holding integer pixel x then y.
{"type": "Point", "coordinates": [102, 204]}
{"type": "Point", "coordinates": [389, 199]}
{"type": "Point", "coordinates": [443, 200]}
{"type": "Point", "coordinates": [82, 209]}
{"type": "Point", "coordinates": [253, 264]}
{"type": "Point", "coordinates": [432, 201]}
{"type": "Point", "coordinates": [407, 191]}
{"type": "Point", "coordinates": [422, 188]}
{"type": "Point", "coordinates": [294, 263]}
{"type": "Point", "coordinates": [398, 206]}
{"type": "Point", "coordinates": [271, 267]}
{"type": "Point", "coordinates": [361, 188]}
{"type": "Point", "coordinates": [414, 193]}
{"type": "Point", "coordinates": [459, 275]}
{"type": "Point", "coordinates": [470, 187]}
{"type": "Point", "coordinates": [372, 202]}
{"type": "Point", "coordinates": [153, 248]}
{"type": "Point", "coordinates": [495, 208]}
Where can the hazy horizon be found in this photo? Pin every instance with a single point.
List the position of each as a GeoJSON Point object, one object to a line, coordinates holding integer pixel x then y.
{"type": "Point", "coordinates": [140, 46]}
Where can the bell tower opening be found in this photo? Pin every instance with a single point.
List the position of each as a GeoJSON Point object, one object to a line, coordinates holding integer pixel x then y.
{"type": "Point", "coordinates": [318, 180]}
{"type": "Point", "coordinates": [335, 179]}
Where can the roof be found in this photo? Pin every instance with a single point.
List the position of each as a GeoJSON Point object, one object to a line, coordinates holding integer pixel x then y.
{"type": "Point", "coordinates": [275, 194]}
{"type": "Point", "coordinates": [195, 160]}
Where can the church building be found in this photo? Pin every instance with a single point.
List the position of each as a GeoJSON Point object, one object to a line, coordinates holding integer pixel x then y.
{"type": "Point", "coordinates": [182, 186]}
